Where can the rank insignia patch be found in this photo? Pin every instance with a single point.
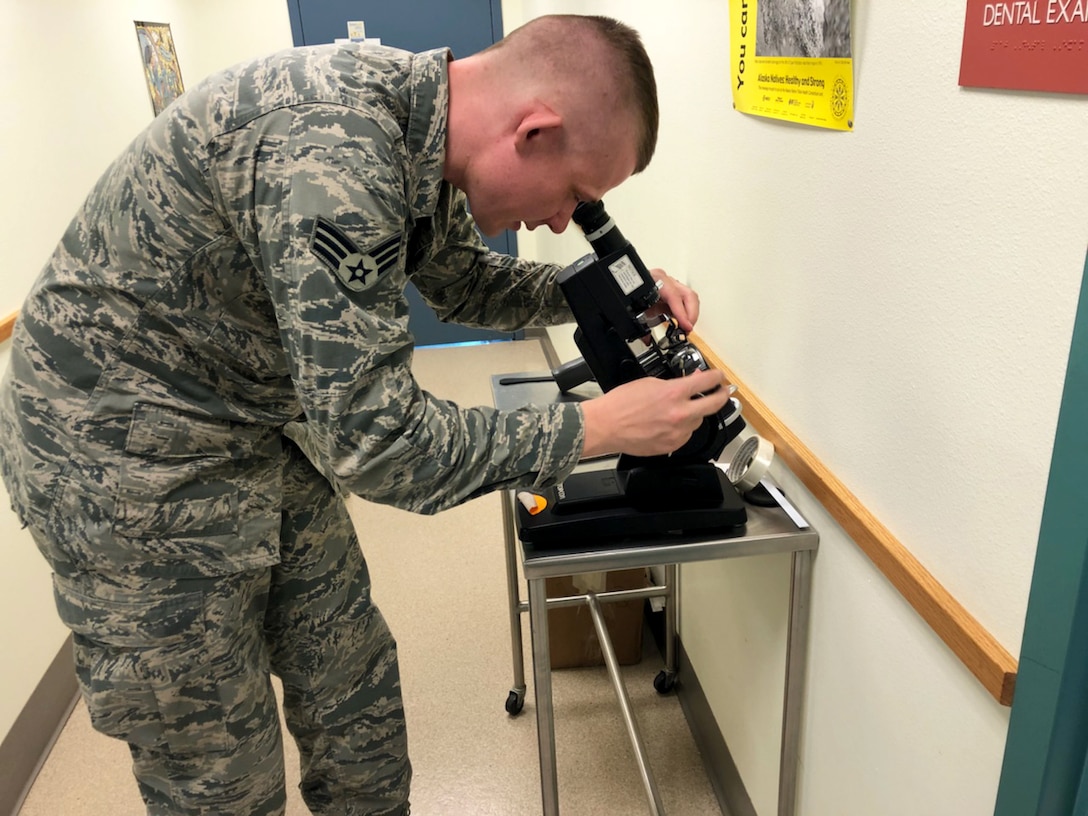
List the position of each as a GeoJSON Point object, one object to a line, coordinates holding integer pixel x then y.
{"type": "Point", "coordinates": [356, 269]}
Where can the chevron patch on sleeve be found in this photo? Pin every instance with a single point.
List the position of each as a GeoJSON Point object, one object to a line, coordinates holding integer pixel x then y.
{"type": "Point", "coordinates": [355, 269]}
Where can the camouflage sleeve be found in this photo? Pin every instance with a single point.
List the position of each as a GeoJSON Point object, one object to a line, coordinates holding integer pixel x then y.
{"type": "Point", "coordinates": [465, 282]}
{"type": "Point", "coordinates": [322, 192]}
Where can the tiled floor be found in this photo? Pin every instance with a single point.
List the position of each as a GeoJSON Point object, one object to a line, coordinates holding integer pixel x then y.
{"type": "Point", "coordinates": [440, 582]}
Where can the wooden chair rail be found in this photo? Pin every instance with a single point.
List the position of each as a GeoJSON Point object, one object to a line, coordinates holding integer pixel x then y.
{"type": "Point", "coordinates": [6, 326]}
{"type": "Point", "coordinates": [987, 659]}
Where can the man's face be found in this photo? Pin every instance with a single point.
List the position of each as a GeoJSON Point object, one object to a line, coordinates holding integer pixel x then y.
{"type": "Point", "coordinates": [538, 180]}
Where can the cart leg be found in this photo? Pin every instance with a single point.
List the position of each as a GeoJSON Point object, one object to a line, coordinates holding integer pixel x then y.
{"type": "Point", "coordinates": [796, 658]}
{"type": "Point", "coordinates": [649, 784]}
{"type": "Point", "coordinates": [542, 689]}
{"type": "Point", "coordinates": [516, 698]}
{"type": "Point", "coordinates": [666, 679]}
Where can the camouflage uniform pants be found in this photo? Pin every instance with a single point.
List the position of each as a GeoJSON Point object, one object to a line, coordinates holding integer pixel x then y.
{"type": "Point", "coordinates": [179, 669]}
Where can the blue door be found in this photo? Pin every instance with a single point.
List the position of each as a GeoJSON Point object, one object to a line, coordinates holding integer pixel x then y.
{"type": "Point", "coordinates": [465, 26]}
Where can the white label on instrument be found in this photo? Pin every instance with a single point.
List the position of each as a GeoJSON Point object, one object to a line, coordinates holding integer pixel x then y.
{"type": "Point", "coordinates": [625, 274]}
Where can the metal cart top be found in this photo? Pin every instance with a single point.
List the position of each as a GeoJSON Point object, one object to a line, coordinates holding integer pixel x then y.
{"type": "Point", "coordinates": [769, 529]}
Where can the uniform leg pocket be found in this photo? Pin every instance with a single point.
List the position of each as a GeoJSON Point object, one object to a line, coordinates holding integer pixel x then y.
{"type": "Point", "coordinates": [142, 666]}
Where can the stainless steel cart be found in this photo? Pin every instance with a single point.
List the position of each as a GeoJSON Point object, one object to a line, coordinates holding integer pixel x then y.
{"type": "Point", "coordinates": [769, 530]}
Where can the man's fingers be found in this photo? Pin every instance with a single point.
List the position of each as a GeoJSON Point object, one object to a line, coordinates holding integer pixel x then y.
{"type": "Point", "coordinates": [650, 416]}
{"type": "Point", "coordinates": [689, 309]}
{"type": "Point", "coordinates": [708, 399]}
{"type": "Point", "coordinates": [680, 300]}
{"type": "Point", "coordinates": [699, 382]}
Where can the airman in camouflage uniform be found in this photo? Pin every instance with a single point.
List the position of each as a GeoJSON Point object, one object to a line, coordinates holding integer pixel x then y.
{"type": "Point", "coordinates": [218, 351]}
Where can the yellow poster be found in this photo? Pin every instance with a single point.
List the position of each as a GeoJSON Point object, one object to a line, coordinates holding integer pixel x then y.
{"type": "Point", "coordinates": [791, 59]}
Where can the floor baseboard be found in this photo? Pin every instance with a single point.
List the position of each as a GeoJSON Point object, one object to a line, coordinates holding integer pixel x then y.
{"type": "Point", "coordinates": [28, 743]}
{"type": "Point", "coordinates": [541, 335]}
{"type": "Point", "coordinates": [720, 768]}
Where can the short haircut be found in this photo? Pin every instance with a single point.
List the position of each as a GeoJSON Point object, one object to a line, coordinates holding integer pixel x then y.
{"type": "Point", "coordinates": [551, 37]}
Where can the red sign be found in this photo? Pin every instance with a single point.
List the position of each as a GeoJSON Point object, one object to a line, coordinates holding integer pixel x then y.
{"type": "Point", "coordinates": [1026, 45]}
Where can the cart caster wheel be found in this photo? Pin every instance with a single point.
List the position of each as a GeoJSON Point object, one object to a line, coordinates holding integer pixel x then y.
{"type": "Point", "coordinates": [514, 703]}
{"type": "Point", "coordinates": [664, 682]}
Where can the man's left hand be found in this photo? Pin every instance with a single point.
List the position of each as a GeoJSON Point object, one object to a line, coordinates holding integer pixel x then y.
{"type": "Point", "coordinates": [679, 300]}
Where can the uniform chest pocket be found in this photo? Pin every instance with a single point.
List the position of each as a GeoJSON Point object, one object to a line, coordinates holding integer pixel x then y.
{"type": "Point", "coordinates": [186, 476]}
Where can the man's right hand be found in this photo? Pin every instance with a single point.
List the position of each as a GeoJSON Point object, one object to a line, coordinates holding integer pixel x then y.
{"type": "Point", "coordinates": [651, 416]}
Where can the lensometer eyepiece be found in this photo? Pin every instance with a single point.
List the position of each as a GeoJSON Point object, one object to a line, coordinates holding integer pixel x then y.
{"type": "Point", "coordinates": [601, 231]}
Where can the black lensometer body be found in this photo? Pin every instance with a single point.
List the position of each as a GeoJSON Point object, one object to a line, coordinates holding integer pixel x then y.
{"type": "Point", "coordinates": [622, 337]}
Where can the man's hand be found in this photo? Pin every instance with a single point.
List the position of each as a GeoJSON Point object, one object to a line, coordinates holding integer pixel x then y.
{"type": "Point", "coordinates": [650, 416]}
{"type": "Point", "coordinates": [679, 300]}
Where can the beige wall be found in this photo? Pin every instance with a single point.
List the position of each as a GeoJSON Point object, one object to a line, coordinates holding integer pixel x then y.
{"type": "Point", "coordinates": [902, 297]}
{"type": "Point", "coordinates": [72, 94]}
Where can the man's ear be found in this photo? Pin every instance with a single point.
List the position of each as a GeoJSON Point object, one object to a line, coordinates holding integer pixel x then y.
{"type": "Point", "coordinates": [539, 125]}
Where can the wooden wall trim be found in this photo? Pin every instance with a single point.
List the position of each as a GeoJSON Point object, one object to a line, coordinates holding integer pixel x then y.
{"type": "Point", "coordinates": [26, 747]}
{"type": "Point", "coordinates": [979, 651]}
{"type": "Point", "coordinates": [7, 325]}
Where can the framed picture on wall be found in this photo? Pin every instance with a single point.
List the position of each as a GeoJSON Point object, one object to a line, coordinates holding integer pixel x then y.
{"type": "Point", "coordinates": [160, 64]}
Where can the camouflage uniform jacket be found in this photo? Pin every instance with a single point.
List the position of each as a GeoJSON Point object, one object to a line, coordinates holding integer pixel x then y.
{"type": "Point", "coordinates": [240, 267]}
